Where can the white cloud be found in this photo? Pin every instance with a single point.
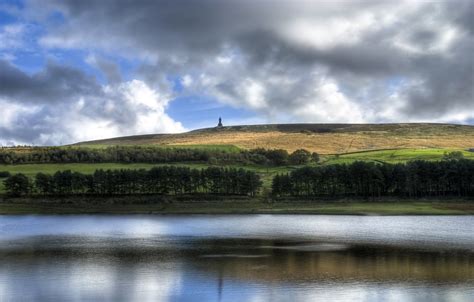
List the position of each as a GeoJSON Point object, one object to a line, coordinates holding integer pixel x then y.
{"type": "Point", "coordinates": [90, 118]}
{"type": "Point", "coordinates": [150, 106]}
{"type": "Point", "coordinates": [11, 36]}
{"type": "Point", "coordinates": [145, 106]}
{"type": "Point", "coordinates": [285, 61]}
{"type": "Point", "coordinates": [329, 104]}
{"type": "Point", "coordinates": [325, 33]}
{"type": "Point", "coordinates": [10, 111]}
{"type": "Point", "coordinates": [253, 93]}
{"type": "Point", "coordinates": [187, 80]}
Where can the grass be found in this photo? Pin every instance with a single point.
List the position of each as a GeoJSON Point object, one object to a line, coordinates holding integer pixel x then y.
{"type": "Point", "coordinates": [395, 155]}
{"type": "Point", "coordinates": [30, 170]}
{"type": "Point", "coordinates": [246, 207]}
{"type": "Point", "coordinates": [210, 147]}
{"type": "Point", "coordinates": [266, 173]}
{"type": "Point", "coordinates": [324, 139]}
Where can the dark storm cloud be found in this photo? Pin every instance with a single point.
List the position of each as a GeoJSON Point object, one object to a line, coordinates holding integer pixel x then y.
{"type": "Point", "coordinates": [110, 70]}
{"type": "Point", "coordinates": [55, 83]}
{"type": "Point", "coordinates": [196, 30]}
{"type": "Point", "coordinates": [185, 36]}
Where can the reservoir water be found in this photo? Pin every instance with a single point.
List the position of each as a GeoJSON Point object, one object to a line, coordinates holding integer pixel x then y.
{"type": "Point", "coordinates": [236, 258]}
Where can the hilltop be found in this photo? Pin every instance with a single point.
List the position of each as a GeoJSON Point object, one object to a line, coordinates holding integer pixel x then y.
{"type": "Point", "coordinates": [321, 138]}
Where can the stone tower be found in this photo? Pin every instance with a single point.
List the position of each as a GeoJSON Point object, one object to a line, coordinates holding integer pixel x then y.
{"type": "Point", "coordinates": [219, 125]}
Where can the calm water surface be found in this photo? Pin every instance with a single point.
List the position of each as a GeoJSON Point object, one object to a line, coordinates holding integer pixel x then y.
{"type": "Point", "coordinates": [236, 258]}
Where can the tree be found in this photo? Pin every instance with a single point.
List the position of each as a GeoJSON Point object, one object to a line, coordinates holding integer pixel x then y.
{"type": "Point", "coordinates": [44, 183]}
{"type": "Point", "coordinates": [4, 174]}
{"type": "Point", "coordinates": [454, 155]}
{"type": "Point", "coordinates": [278, 156]}
{"type": "Point", "coordinates": [315, 157]}
{"type": "Point", "coordinates": [369, 180]}
{"type": "Point", "coordinates": [17, 185]}
{"type": "Point", "coordinates": [300, 157]}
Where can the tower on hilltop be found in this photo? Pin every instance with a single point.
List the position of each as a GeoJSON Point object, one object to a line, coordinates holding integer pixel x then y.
{"type": "Point", "coordinates": [219, 125]}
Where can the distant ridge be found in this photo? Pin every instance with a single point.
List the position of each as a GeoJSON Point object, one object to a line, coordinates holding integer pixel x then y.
{"type": "Point", "coordinates": [323, 138]}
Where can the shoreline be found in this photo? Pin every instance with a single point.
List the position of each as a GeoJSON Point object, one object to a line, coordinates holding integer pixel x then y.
{"type": "Point", "coordinates": [187, 205]}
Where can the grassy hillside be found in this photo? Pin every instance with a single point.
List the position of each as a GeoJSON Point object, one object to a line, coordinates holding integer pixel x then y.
{"type": "Point", "coordinates": [266, 172]}
{"type": "Point", "coordinates": [394, 156]}
{"type": "Point", "coordinates": [339, 143]}
{"type": "Point", "coordinates": [321, 138]}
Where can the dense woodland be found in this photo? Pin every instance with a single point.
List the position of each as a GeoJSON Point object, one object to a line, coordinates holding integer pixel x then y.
{"type": "Point", "coordinates": [166, 180]}
{"type": "Point", "coordinates": [144, 154]}
{"type": "Point", "coordinates": [414, 179]}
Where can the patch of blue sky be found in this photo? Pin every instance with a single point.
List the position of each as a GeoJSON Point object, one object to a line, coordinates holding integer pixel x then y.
{"type": "Point", "coordinates": [29, 57]}
{"type": "Point", "coordinates": [470, 122]}
{"type": "Point", "coordinates": [56, 18]}
{"type": "Point", "coordinates": [127, 66]}
{"type": "Point", "coordinates": [6, 18]}
{"type": "Point", "coordinates": [200, 111]}
{"type": "Point", "coordinates": [10, 12]}
{"type": "Point", "coordinates": [29, 62]}
{"type": "Point", "coordinates": [394, 83]}
{"type": "Point", "coordinates": [18, 4]}
{"type": "Point", "coordinates": [69, 57]}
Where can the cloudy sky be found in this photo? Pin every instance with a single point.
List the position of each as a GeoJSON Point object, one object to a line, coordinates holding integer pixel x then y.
{"type": "Point", "coordinates": [80, 70]}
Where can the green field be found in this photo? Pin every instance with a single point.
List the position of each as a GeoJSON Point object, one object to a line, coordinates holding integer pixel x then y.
{"type": "Point", "coordinates": [394, 156]}
{"type": "Point", "coordinates": [267, 173]}
{"type": "Point", "coordinates": [30, 170]}
{"type": "Point", "coordinates": [253, 205]}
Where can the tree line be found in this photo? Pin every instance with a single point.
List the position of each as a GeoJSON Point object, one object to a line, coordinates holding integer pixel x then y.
{"type": "Point", "coordinates": [415, 179]}
{"type": "Point", "coordinates": [165, 180]}
{"type": "Point", "coordinates": [144, 154]}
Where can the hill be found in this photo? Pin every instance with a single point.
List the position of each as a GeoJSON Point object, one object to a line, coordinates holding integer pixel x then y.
{"type": "Point", "coordinates": [321, 138]}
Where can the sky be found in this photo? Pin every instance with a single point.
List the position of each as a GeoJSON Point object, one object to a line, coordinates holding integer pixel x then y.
{"type": "Point", "coordinates": [80, 70]}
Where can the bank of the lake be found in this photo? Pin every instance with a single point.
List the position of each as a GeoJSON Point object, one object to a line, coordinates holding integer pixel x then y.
{"type": "Point", "coordinates": [228, 205]}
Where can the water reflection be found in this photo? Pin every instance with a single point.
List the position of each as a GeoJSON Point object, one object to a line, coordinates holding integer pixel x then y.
{"type": "Point", "coordinates": [82, 267]}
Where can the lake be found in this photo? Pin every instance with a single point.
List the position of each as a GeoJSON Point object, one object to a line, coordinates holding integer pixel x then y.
{"type": "Point", "coordinates": [236, 258]}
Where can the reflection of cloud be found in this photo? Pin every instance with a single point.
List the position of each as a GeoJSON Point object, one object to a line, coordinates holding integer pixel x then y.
{"type": "Point", "coordinates": [437, 232]}
{"type": "Point", "coordinates": [88, 279]}
{"type": "Point", "coordinates": [156, 283]}
{"type": "Point", "coordinates": [138, 270]}
{"type": "Point", "coordinates": [83, 226]}
{"type": "Point", "coordinates": [4, 289]}
{"type": "Point", "coordinates": [356, 292]}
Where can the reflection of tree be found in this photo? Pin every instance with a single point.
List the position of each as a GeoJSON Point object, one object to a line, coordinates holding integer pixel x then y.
{"type": "Point", "coordinates": [140, 266]}
{"type": "Point", "coordinates": [220, 284]}
{"type": "Point", "coordinates": [277, 263]}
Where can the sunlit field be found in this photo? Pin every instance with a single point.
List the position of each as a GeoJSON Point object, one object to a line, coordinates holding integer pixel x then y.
{"type": "Point", "coordinates": [324, 139]}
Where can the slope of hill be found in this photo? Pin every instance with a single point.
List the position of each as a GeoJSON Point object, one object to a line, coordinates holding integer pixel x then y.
{"type": "Point", "coordinates": [321, 138]}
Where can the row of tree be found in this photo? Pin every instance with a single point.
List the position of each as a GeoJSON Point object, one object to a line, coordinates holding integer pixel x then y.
{"type": "Point", "coordinates": [361, 179]}
{"type": "Point", "coordinates": [414, 179]}
{"type": "Point", "coordinates": [144, 154]}
{"type": "Point", "coordinates": [166, 180]}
